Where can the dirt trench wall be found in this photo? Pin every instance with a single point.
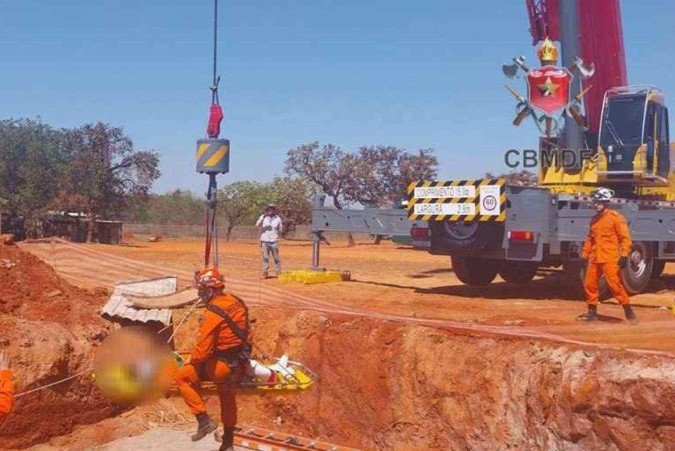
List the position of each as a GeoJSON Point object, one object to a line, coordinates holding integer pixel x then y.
{"type": "Point", "coordinates": [44, 353]}
{"type": "Point", "coordinates": [50, 329]}
{"type": "Point", "coordinates": [387, 386]}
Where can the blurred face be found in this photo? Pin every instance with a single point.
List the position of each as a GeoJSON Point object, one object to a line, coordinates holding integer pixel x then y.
{"type": "Point", "coordinates": [599, 206]}
{"type": "Point", "coordinates": [208, 293]}
{"type": "Point", "coordinates": [271, 211]}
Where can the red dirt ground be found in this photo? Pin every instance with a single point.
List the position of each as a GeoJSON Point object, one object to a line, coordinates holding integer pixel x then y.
{"type": "Point", "coordinates": [387, 280]}
{"type": "Point", "coordinates": [467, 381]}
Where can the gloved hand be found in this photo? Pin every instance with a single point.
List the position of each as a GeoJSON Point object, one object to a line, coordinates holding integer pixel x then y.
{"type": "Point", "coordinates": [623, 262]}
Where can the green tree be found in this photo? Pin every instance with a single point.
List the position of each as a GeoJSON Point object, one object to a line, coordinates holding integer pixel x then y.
{"type": "Point", "coordinates": [239, 200]}
{"type": "Point", "coordinates": [381, 174]}
{"type": "Point", "coordinates": [33, 160]}
{"type": "Point", "coordinates": [105, 170]}
{"type": "Point", "coordinates": [178, 207]}
{"type": "Point", "coordinates": [327, 166]}
{"type": "Point", "coordinates": [520, 178]}
{"type": "Point", "coordinates": [292, 197]}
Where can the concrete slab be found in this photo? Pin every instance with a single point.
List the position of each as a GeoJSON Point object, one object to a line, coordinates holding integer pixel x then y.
{"type": "Point", "coordinates": [163, 439]}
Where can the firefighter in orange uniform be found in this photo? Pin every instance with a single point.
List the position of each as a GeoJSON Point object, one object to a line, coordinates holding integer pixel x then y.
{"type": "Point", "coordinates": [606, 250]}
{"type": "Point", "coordinates": [6, 387]}
{"type": "Point", "coordinates": [220, 355]}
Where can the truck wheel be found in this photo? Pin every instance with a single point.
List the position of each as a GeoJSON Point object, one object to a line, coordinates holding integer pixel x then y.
{"type": "Point", "coordinates": [518, 272]}
{"type": "Point", "coordinates": [472, 236]}
{"type": "Point", "coordinates": [637, 274]}
{"type": "Point", "coordinates": [657, 269]}
{"type": "Point", "coordinates": [475, 272]}
{"type": "Point", "coordinates": [575, 273]}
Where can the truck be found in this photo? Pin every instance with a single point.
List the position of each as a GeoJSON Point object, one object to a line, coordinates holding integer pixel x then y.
{"type": "Point", "coordinates": [491, 228]}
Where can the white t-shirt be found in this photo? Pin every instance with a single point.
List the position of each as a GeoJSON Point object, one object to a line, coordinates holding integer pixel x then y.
{"type": "Point", "coordinates": [271, 235]}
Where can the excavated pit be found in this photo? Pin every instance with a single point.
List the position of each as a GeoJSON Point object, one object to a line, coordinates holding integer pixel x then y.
{"type": "Point", "coordinates": [50, 328]}
{"type": "Point", "coordinates": [383, 385]}
{"type": "Point", "coordinates": [389, 386]}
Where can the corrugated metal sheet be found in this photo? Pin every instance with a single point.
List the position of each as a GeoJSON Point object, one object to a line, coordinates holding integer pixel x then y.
{"type": "Point", "coordinates": [119, 306]}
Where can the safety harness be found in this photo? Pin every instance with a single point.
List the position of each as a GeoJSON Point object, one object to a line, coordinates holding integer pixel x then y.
{"type": "Point", "coordinates": [243, 351]}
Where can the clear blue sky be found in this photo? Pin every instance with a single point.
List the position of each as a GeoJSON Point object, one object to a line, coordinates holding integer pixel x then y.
{"type": "Point", "coordinates": [351, 72]}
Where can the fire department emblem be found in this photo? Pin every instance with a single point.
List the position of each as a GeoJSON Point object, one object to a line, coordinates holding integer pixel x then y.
{"type": "Point", "coordinates": [548, 89]}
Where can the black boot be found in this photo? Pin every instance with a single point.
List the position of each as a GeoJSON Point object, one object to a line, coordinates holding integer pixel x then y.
{"type": "Point", "coordinates": [630, 314]}
{"type": "Point", "coordinates": [591, 315]}
{"type": "Point", "coordinates": [227, 439]}
{"type": "Point", "coordinates": [204, 427]}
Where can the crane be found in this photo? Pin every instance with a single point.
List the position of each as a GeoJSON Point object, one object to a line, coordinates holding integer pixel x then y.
{"type": "Point", "coordinates": [495, 228]}
{"type": "Point", "coordinates": [626, 126]}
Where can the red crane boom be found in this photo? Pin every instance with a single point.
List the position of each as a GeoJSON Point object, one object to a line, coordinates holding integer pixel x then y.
{"type": "Point", "coordinates": [600, 41]}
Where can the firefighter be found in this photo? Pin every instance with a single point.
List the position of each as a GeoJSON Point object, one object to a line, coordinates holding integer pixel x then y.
{"type": "Point", "coordinates": [220, 355]}
{"type": "Point", "coordinates": [606, 251]}
{"type": "Point", "coordinates": [6, 386]}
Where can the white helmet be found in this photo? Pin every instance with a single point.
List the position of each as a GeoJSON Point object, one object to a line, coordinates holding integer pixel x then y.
{"type": "Point", "coordinates": [602, 194]}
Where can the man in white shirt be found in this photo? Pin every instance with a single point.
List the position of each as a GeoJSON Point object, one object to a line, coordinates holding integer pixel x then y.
{"type": "Point", "coordinates": [270, 229]}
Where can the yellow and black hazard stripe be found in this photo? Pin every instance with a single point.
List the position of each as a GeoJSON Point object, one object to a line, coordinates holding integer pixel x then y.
{"type": "Point", "coordinates": [213, 156]}
{"type": "Point", "coordinates": [475, 200]}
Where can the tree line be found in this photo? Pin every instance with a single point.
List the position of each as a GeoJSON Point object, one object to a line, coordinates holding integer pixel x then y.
{"type": "Point", "coordinates": [95, 170]}
{"type": "Point", "coordinates": [375, 176]}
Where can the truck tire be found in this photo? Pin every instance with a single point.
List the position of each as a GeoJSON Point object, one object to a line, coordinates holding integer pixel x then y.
{"type": "Point", "coordinates": [637, 274]}
{"type": "Point", "coordinates": [473, 236]}
{"type": "Point", "coordinates": [657, 269]}
{"type": "Point", "coordinates": [475, 272]}
{"type": "Point", "coordinates": [518, 273]}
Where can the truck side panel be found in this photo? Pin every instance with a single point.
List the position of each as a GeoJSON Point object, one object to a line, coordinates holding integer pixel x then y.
{"type": "Point", "coordinates": [528, 209]}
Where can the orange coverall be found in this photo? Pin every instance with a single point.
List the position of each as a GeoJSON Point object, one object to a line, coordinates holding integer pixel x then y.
{"type": "Point", "coordinates": [6, 393]}
{"type": "Point", "coordinates": [608, 240]}
{"type": "Point", "coordinates": [214, 335]}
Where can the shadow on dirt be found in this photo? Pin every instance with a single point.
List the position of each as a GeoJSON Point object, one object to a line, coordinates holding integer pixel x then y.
{"type": "Point", "coordinates": [439, 271]}
{"type": "Point", "coordinates": [609, 319]}
{"type": "Point", "coordinates": [664, 283]}
{"type": "Point", "coordinates": [551, 285]}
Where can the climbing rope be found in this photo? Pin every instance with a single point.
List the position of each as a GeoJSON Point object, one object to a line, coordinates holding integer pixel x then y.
{"type": "Point", "coordinates": [60, 381]}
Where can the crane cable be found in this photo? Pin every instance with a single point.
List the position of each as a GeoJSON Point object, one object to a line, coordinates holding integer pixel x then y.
{"type": "Point", "coordinates": [213, 131]}
{"type": "Point", "coordinates": [216, 78]}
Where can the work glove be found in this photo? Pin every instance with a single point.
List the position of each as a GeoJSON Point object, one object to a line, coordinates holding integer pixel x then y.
{"type": "Point", "coordinates": [623, 262]}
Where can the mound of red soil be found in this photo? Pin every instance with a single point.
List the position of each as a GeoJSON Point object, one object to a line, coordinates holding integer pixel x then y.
{"type": "Point", "coordinates": [50, 329]}
{"type": "Point", "coordinates": [31, 289]}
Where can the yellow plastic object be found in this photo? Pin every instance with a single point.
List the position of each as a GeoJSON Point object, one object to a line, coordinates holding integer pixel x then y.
{"type": "Point", "coordinates": [301, 379]}
{"type": "Point", "coordinates": [308, 277]}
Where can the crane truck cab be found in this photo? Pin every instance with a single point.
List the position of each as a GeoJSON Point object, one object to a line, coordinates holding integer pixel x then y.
{"type": "Point", "coordinates": [634, 144]}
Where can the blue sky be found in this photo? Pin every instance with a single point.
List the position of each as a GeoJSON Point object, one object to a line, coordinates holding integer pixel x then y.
{"type": "Point", "coordinates": [351, 72]}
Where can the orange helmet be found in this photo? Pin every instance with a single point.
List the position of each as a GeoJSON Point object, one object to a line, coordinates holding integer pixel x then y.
{"type": "Point", "coordinates": [210, 278]}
